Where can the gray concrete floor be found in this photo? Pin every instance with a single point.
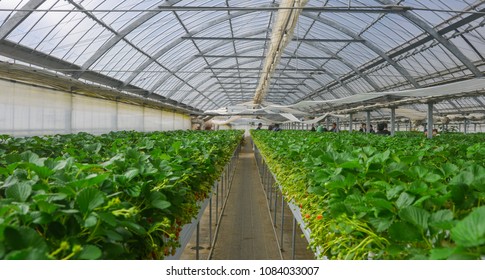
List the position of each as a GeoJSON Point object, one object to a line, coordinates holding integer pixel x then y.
{"type": "Point", "coordinates": [245, 230]}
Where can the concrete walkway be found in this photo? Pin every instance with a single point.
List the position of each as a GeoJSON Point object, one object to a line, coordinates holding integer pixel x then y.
{"type": "Point", "coordinates": [245, 230]}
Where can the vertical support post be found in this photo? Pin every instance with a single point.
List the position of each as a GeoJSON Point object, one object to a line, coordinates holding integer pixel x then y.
{"type": "Point", "coordinates": [217, 201]}
{"type": "Point", "coordinates": [293, 240]}
{"type": "Point", "coordinates": [338, 124]}
{"type": "Point", "coordinates": [264, 172]}
{"type": "Point", "coordinates": [327, 122]}
{"type": "Point", "coordinates": [275, 205]}
{"type": "Point", "coordinates": [197, 241]}
{"type": "Point", "coordinates": [430, 120]}
{"type": "Point", "coordinates": [368, 121]}
{"type": "Point", "coordinates": [222, 189]}
{"type": "Point", "coordinates": [70, 120]}
{"type": "Point", "coordinates": [143, 118]}
{"type": "Point", "coordinates": [117, 124]}
{"type": "Point", "coordinates": [393, 121]}
{"type": "Point", "coordinates": [270, 196]}
{"type": "Point", "coordinates": [350, 122]}
{"type": "Point", "coordinates": [282, 220]}
{"type": "Point", "coordinates": [465, 130]}
{"type": "Point", "coordinates": [210, 220]}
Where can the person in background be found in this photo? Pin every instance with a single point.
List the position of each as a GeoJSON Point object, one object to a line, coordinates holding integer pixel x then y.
{"type": "Point", "coordinates": [320, 128]}
{"type": "Point", "coordinates": [382, 129]}
{"type": "Point", "coordinates": [260, 125]}
{"type": "Point", "coordinates": [363, 127]}
{"type": "Point", "coordinates": [434, 132]}
{"type": "Point", "coordinates": [313, 128]}
{"type": "Point", "coordinates": [334, 128]}
{"type": "Point", "coordinates": [276, 127]}
{"type": "Point", "coordinates": [270, 127]}
{"type": "Point", "coordinates": [371, 130]}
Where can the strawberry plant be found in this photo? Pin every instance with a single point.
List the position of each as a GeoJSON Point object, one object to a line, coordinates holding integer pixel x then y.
{"type": "Point", "coordinates": [121, 195]}
{"type": "Point", "coordinates": [367, 196]}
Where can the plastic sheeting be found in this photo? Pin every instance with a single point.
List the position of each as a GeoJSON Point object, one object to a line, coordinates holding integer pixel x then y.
{"type": "Point", "coordinates": [454, 90]}
{"type": "Point", "coordinates": [27, 110]}
{"type": "Point", "coordinates": [92, 115]}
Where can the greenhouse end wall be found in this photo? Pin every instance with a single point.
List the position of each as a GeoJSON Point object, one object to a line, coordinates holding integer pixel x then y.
{"type": "Point", "coordinates": [27, 110]}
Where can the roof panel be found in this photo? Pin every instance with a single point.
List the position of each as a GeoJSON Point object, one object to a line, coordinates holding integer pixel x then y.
{"type": "Point", "coordinates": [86, 46]}
{"type": "Point", "coordinates": [353, 51]}
{"type": "Point", "coordinates": [37, 25]}
{"type": "Point", "coordinates": [12, 5]}
{"type": "Point", "coordinates": [156, 33]}
{"type": "Point", "coordinates": [434, 17]}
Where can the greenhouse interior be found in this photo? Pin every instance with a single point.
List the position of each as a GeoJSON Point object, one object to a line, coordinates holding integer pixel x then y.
{"type": "Point", "coordinates": [232, 130]}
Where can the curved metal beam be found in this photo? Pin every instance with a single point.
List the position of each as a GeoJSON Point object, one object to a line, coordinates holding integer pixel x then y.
{"type": "Point", "coordinates": [215, 83]}
{"type": "Point", "coordinates": [333, 55]}
{"type": "Point", "coordinates": [184, 63]}
{"type": "Point", "coordinates": [346, 63]}
{"type": "Point", "coordinates": [368, 44]}
{"type": "Point", "coordinates": [193, 75]}
{"type": "Point", "coordinates": [431, 31]}
{"type": "Point", "coordinates": [180, 40]}
{"type": "Point", "coordinates": [120, 36]}
{"type": "Point", "coordinates": [255, 33]}
{"type": "Point", "coordinates": [282, 73]}
{"type": "Point", "coordinates": [19, 17]}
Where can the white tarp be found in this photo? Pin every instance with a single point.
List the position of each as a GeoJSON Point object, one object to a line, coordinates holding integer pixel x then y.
{"type": "Point", "coordinates": [451, 89]}
{"type": "Point", "coordinates": [224, 122]}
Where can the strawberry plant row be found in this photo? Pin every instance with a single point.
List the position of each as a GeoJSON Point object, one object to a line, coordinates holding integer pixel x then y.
{"type": "Point", "coordinates": [367, 196]}
{"type": "Point", "coordinates": [121, 195]}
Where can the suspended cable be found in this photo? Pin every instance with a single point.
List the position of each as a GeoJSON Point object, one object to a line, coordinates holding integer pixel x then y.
{"type": "Point", "coordinates": [334, 9]}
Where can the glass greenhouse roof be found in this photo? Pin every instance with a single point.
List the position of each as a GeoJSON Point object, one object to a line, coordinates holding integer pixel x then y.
{"type": "Point", "coordinates": [208, 54]}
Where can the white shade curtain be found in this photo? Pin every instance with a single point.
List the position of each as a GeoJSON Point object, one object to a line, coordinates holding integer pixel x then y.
{"type": "Point", "coordinates": [27, 110]}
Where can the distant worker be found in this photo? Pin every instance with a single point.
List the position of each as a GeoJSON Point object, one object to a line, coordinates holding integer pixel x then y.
{"type": "Point", "coordinates": [334, 128]}
{"type": "Point", "coordinates": [363, 127]}
{"type": "Point", "coordinates": [434, 132]}
{"type": "Point", "coordinates": [271, 127]}
{"type": "Point", "coordinates": [382, 129]}
{"type": "Point", "coordinates": [313, 128]}
{"type": "Point", "coordinates": [260, 125]}
{"type": "Point", "coordinates": [276, 127]}
{"type": "Point", "coordinates": [208, 126]}
{"type": "Point", "coordinates": [320, 128]}
{"type": "Point", "coordinates": [371, 130]}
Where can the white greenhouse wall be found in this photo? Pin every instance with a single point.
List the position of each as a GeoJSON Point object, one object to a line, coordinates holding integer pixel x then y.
{"type": "Point", "coordinates": [92, 115]}
{"type": "Point", "coordinates": [130, 117]}
{"type": "Point", "coordinates": [152, 120]}
{"type": "Point", "coordinates": [27, 110]}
